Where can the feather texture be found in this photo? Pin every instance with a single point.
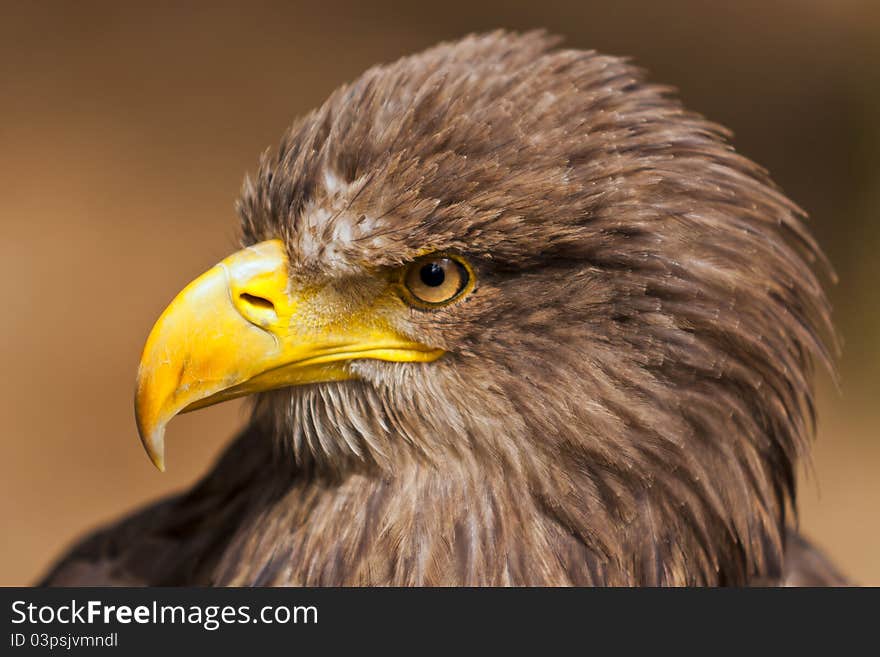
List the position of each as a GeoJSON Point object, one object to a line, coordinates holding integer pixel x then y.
{"type": "Point", "coordinates": [625, 396]}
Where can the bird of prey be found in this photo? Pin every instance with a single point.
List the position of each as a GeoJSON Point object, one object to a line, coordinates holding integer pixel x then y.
{"type": "Point", "coordinates": [512, 315]}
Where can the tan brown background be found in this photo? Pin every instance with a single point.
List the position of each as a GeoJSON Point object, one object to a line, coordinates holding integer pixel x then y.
{"type": "Point", "coordinates": [125, 131]}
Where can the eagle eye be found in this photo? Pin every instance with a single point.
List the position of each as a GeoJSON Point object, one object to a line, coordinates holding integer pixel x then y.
{"type": "Point", "coordinates": [436, 280]}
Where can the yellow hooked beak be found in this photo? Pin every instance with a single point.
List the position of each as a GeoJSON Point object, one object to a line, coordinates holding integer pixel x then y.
{"type": "Point", "coordinates": [241, 328]}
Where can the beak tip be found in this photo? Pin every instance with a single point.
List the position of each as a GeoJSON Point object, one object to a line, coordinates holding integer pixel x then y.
{"type": "Point", "coordinates": [154, 445]}
{"type": "Point", "coordinates": [151, 430]}
{"type": "Point", "coordinates": [159, 461]}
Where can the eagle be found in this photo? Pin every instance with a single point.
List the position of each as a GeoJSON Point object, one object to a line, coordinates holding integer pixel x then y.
{"type": "Point", "coordinates": [511, 315]}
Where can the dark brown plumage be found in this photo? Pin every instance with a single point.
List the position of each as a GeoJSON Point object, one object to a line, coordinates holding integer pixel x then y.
{"type": "Point", "coordinates": [624, 396]}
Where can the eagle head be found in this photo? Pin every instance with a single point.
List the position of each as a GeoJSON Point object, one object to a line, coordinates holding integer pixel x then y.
{"type": "Point", "coordinates": [524, 275]}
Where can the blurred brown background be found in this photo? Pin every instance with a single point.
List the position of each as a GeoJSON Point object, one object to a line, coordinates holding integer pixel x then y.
{"type": "Point", "coordinates": [125, 132]}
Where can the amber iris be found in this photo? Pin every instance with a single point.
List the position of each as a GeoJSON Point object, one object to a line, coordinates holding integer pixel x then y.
{"type": "Point", "coordinates": [436, 280]}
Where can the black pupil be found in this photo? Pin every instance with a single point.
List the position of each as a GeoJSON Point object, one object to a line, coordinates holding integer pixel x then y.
{"type": "Point", "coordinates": [432, 274]}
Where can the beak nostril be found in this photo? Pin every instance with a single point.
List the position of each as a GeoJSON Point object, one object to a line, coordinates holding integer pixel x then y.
{"type": "Point", "coordinates": [259, 311]}
{"type": "Point", "coordinates": [257, 302]}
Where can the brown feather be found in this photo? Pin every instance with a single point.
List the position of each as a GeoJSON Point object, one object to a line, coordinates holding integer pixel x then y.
{"type": "Point", "coordinates": [626, 394]}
